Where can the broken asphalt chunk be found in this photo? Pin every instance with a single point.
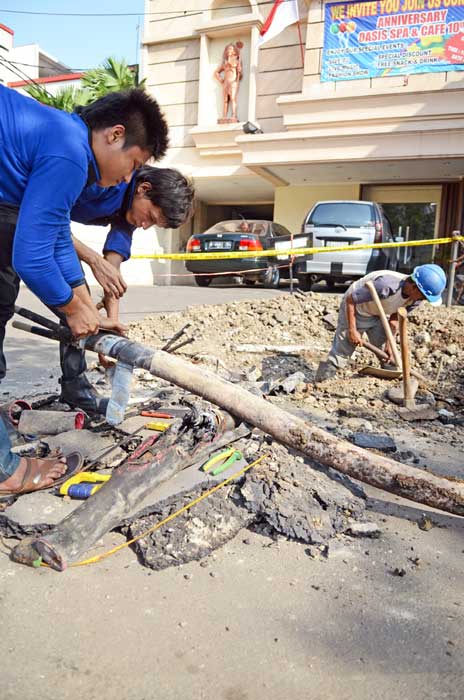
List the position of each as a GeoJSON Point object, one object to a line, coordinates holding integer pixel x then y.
{"type": "Point", "coordinates": [373, 441]}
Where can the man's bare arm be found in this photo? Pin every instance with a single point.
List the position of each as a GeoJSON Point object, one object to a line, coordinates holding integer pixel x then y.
{"type": "Point", "coordinates": [110, 302]}
{"type": "Point", "coordinates": [106, 274]}
{"type": "Point", "coordinates": [354, 335]}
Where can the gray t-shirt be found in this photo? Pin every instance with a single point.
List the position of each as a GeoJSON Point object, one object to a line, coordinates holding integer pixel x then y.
{"type": "Point", "coordinates": [389, 286]}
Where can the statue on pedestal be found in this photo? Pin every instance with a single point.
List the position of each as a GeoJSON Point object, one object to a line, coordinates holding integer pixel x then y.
{"type": "Point", "coordinates": [231, 67]}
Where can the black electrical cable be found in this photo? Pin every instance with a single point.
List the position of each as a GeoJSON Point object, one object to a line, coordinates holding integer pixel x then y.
{"type": "Point", "coordinates": [21, 74]}
{"type": "Point", "coordinates": [184, 13]}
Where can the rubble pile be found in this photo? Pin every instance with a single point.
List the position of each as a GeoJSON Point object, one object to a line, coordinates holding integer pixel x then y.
{"type": "Point", "coordinates": [272, 347]}
{"type": "Point", "coordinates": [285, 495]}
{"type": "Point", "coordinates": [280, 497]}
{"type": "Point", "coordinates": [300, 320]}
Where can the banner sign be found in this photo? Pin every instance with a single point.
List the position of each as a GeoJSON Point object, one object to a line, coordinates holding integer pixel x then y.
{"type": "Point", "coordinates": [381, 38]}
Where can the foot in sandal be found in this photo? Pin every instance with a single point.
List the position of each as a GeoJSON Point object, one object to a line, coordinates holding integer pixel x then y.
{"type": "Point", "coordinates": [35, 474]}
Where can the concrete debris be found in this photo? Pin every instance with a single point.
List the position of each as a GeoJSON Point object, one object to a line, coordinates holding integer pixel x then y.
{"type": "Point", "coordinates": [193, 535]}
{"type": "Point", "coordinates": [395, 394]}
{"type": "Point", "coordinates": [285, 496]}
{"type": "Point", "coordinates": [34, 514]}
{"type": "Point", "coordinates": [331, 320]}
{"type": "Point", "coordinates": [420, 413]}
{"type": "Point", "coordinates": [425, 524]}
{"type": "Point", "coordinates": [373, 441]}
{"type": "Point", "coordinates": [282, 496]}
{"type": "Point", "coordinates": [421, 339]}
{"type": "Point", "coordinates": [252, 348]}
{"type": "Point", "coordinates": [364, 530]}
{"type": "Point", "coordinates": [444, 413]}
{"type": "Point", "coordinates": [289, 384]}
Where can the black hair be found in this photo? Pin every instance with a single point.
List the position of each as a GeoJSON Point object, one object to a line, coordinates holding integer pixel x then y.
{"type": "Point", "coordinates": [171, 191]}
{"type": "Point", "coordinates": [139, 113]}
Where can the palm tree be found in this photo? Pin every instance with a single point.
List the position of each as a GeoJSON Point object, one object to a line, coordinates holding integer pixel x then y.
{"type": "Point", "coordinates": [65, 99]}
{"type": "Point", "coordinates": [111, 76]}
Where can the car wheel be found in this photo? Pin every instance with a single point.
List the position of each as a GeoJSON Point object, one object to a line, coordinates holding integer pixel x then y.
{"type": "Point", "coordinates": [203, 281]}
{"type": "Point", "coordinates": [271, 278]}
{"type": "Point", "coordinates": [305, 282]}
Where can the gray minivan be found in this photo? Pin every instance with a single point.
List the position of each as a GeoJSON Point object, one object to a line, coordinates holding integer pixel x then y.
{"type": "Point", "coordinates": [344, 223]}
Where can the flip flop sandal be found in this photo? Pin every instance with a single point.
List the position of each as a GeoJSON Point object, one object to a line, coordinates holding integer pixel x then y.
{"type": "Point", "coordinates": [74, 464]}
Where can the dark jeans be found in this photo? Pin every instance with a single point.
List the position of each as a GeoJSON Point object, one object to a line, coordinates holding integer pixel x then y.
{"type": "Point", "coordinates": [72, 359]}
{"type": "Point", "coordinates": [9, 462]}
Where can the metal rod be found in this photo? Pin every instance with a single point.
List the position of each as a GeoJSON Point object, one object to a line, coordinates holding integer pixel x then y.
{"type": "Point", "coordinates": [36, 330]}
{"type": "Point", "coordinates": [290, 268]}
{"type": "Point", "coordinates": [452, 269]}
{"type": "Point", "coordinates": [111, 449]}
{"type": "Point", "coordinates": [175, 336]}
{"type": "Point", "coordinates": [406, 253]}
{"type": "Point", "coordinates": [173, 348]}
{"type": "Point", "coordinates": [37, 318]}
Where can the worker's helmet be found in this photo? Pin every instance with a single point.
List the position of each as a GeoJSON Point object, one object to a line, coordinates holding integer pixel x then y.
{"type": "Point", "coordinates": [431, 281]}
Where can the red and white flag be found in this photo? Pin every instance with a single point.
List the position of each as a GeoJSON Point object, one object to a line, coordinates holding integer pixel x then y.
{"type": "Point", "coordinates": [282, 14]}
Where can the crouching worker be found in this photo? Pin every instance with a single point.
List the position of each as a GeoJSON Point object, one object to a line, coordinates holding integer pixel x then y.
{"type": "Point", "coordinates": [161, 197]}
{"type": "Point", "coordinates": [358, 312]}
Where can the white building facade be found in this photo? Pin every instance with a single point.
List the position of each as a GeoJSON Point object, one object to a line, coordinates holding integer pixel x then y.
{"type": "Point", "coordinates": [396, 138]}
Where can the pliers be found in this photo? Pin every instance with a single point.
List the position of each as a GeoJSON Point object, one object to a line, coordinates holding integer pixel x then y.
{"type": "Point", "coordinates": [227, 457]}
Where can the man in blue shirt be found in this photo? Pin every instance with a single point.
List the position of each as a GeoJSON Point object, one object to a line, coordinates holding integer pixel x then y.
{"type": "Point", "coordinates": [47, 157]}
{"type": "Point", "coordinates": [160, 197]}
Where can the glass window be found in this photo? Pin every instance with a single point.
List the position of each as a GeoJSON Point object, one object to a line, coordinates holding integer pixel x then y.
{"type": "Point", "coordinates": [252, 226]}
{"type": "Point", "coordinates": [280, 230]}
{"type": "Point", "coordinates": [349, 214]}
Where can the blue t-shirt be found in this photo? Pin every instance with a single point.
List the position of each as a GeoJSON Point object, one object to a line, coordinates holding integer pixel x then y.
{"type": "Point", "coordinates": [45, 163]}
{"type": "Point", "coordinates": [101, 206]}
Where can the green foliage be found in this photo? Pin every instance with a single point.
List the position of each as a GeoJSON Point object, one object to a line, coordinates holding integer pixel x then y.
{"type": "Point", "coordinates": [65, 99]}
{"type": "Point", "coordinates": [111, 76]}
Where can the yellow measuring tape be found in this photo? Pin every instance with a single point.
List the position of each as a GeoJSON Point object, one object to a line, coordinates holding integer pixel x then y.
{"type": "Point", "coordinates": [295, 251]}
{"type": "Point", "coordinates": [99, 557]}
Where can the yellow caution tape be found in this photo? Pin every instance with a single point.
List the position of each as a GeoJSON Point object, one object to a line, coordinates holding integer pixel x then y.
{"type": "Point", "coordinates": [293, 252]}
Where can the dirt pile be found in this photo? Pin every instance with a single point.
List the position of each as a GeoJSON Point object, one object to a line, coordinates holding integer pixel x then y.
{"type": "Point", "coordinates": [272, 347]}
{"type": "Point", "coordinates": [304, 321]}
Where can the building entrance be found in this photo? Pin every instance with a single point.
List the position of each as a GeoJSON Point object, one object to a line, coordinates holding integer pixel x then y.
{"type": "Point", "coordinates": [413, 211]}
{"type": "Point", "coordinates": [412, 221]}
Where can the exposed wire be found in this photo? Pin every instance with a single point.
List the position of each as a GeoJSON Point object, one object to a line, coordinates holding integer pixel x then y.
{"type": "Point", "coordinates": [39, 65]}
{"type": "Point", "coordinates": [68, 68]}
{"type": "Point", "coordinates": [183, 13]}
{"type": "Point", "coordinates": [19, 73]}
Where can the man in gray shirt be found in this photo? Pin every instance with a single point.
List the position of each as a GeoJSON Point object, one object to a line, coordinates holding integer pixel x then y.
{"type": "Point", "coordinates": [359, 314]}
